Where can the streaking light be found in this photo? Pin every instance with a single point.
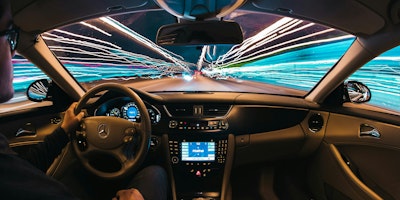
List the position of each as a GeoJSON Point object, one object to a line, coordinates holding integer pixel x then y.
{"type": "Point", "coordinates": [96, 28]}
{"type": "Point", "coordinates": [148, 43]}
{"type": "Point", "coordinates": [187, 77]}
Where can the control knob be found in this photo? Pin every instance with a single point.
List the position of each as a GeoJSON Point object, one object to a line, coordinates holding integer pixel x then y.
{"type": "Point", "coordinates": [174, 159]}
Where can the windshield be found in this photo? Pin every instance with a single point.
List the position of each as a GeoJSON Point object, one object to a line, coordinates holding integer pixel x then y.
{"type": "Point", "coordinates": [279, 55]}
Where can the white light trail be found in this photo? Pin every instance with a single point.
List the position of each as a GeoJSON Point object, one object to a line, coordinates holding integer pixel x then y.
{"type": "Point", "coordinates": [103, 53]}
{"type": "Point", "coordinates": [96, 28]}
{"type": "Point", "coordinates": [202, 57]}
{"type": "Point", "coordinates": [274, 35]}
{"type": "Point", "coordinates": [253, 56]}
{"type": "Point", "coordinates": [270, 30]}
{"type": "Point", "coordinates": [85, 38]}
{"type": "Point", "coordinates": [257, 47]}
{"type": "Point", "coordinates": [178, 60]}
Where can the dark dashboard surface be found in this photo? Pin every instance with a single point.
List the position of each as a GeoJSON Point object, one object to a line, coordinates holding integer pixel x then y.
{"type": "Point", "coordinates": [198, 112]}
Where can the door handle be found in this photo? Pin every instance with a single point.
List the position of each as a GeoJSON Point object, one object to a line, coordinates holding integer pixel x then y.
{"type": "Point", "coordinates": [27, 130]}
{"type": "Point", "coordinates": [369, 131]}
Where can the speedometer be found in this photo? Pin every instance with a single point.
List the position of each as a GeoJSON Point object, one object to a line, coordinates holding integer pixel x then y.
{"type": "Point", "coordinates": [130, 112]}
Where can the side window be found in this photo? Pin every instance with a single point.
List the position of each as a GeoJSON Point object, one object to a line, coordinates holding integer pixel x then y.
{"type": "Point", "coordinates": [382, 76]}
{"type": "Point", "coordinates": [25, 73]}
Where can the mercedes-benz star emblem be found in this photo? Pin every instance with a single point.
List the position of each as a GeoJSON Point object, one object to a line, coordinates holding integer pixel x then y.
{"type": "Point", "coordinates": [103, 130]}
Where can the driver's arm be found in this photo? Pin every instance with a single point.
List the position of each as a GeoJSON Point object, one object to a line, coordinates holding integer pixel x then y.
{"type": "Point", "coordinates": [43, 154]}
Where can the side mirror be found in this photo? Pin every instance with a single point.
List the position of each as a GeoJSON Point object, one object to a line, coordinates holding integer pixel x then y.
{"type": "Point", "coordinates": [200, 33]}
{"type": "Point", "coordinates": [38, 91]}
{"type": "Point", "coordinates": [357, 92]}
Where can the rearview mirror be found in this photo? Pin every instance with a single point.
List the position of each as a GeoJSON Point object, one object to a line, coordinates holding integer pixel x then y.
{"type": "Point", "coordinates": [200, 33]}
{"type": "Point", "coordinates": [357, 92]}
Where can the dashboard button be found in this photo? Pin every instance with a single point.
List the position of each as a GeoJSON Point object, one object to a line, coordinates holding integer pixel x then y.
{"type": "Point", "coordinates": [174, 159]}
{"type": "Point", "coordinates": [198, 173]}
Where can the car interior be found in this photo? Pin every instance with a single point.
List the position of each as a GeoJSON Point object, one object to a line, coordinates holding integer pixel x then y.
{"type": "Point", "coordinates": [223, 133]}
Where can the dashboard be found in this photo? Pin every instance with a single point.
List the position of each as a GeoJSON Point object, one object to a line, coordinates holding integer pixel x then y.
{"type": "Point", "coordinates": [200, 137]}
{"type": "Point", "coordinates": [124, 107]}
{"type": "Point", "coordinates": [257, 122]}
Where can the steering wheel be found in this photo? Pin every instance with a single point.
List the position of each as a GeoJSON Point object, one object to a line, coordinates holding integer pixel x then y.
{"type": "Point", "coordinates": [111, 137]}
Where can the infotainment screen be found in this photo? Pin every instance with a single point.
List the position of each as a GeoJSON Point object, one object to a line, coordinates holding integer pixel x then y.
{"type": "Point", "coordinates": [198, 151]}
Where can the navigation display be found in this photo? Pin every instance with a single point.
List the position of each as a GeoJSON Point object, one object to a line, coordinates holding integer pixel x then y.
{"type": "Point", "coordinates": [198, 151]}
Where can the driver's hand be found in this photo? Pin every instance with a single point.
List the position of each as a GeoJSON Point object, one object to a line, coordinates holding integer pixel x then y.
{"type": "Point", "coordinates": [71, 121]}
{"type": "Point", "coordinates": [129, 194]}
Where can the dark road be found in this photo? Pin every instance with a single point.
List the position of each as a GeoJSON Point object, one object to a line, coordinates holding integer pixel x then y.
{"type": "Point", "coordinates": [201, 83]}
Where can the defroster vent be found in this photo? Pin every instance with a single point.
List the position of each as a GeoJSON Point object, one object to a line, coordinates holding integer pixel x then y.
{"type": "Point", "coordinates": [198, 110]}
{"type": "Point", "coordinates": [216, 110]}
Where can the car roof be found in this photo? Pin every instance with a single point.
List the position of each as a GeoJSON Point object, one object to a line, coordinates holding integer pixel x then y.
{"type": "Point", "coordinates": [363, 17]}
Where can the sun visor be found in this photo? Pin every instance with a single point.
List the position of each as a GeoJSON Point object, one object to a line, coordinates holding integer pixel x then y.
{"type": "Point", "coordinates": [60, 12]}
{"type": "Point", "coordinates": [350, 16]}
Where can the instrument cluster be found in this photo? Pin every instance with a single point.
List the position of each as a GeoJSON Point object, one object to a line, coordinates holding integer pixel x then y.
{"type": "Point", "coordinates": [126, 108]}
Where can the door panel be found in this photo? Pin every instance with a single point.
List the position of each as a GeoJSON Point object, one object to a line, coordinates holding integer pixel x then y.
{"type": "Point", "coordinates": [342, 129]}
{"type": "Point", "coordinates": [359, 159]}
{"type": "Point", "coordinates": [377, 167]}
{"type": "Point", "coordinates": [29, 127]}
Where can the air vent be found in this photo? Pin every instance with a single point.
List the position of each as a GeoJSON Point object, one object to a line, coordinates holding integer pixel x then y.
{"type": "Point", "coordinates": [198, 110]}
{"type": "Point", "coordinates": [315, 122]}
{"type": "Point", "coordinates": [180, 110]}
{"type": "Point", "coordinates": [216, 110]}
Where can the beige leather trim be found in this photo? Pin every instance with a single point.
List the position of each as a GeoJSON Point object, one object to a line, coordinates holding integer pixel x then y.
{"type": "Point", "coordinates": [356, 183]}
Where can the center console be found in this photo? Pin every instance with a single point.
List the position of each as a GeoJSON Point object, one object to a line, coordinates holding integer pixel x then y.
{"type": "Point", "coordinates": [198, 157]}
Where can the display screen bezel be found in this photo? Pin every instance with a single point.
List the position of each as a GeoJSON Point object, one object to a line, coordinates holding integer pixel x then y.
{"type": "Point", "coordinates": [208, 146]}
